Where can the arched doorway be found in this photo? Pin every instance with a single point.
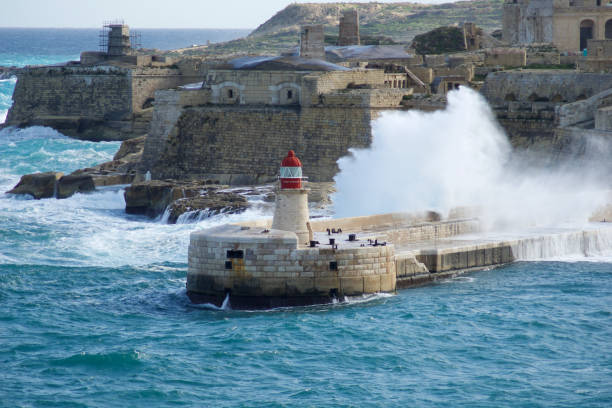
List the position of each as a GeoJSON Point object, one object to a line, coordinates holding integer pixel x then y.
{"type": "Point", "coordinates": [609, 29]}
{"type": "Point", "coordinates": [587, 28]}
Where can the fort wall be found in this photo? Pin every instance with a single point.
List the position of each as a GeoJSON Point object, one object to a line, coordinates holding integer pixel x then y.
{"type": "Point", "coordinates": [206, 134]}
{"type": "Point", "coordinates": [234, 144]}
{"type": "Point", "coordinates": [95, 95]}
{"type": "Point", "coordinates": [94, 103]}
{"type": "Point", "coordinates": [540, 86]}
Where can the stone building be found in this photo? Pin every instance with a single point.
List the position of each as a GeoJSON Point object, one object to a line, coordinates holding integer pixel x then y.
{"type": "Point", "coordinates": [255, 108]}
{"type": "Point", "coordinates": [568, 24]}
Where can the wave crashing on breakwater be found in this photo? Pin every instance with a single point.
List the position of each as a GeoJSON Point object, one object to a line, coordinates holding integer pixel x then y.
{"type": "Point", "coordinates": [460, 157]}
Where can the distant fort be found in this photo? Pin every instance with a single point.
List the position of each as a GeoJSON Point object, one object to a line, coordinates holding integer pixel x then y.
{"type": "Point", "coordinates": [321, 99]}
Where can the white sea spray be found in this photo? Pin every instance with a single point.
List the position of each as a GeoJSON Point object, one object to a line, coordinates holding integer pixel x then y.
{"type": "Point", "coordinates": [461, 157]}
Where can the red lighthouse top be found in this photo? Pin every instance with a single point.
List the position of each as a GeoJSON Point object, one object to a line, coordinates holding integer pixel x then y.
{"type": "Point", "coordinates": [291, 172]}
{"type": "Point", "coordinates": [291, 160]}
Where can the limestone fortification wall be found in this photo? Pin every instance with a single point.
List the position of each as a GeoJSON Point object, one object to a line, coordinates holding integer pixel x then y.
{"type": "Point", "coordinates": [66, 96]}
{"type": "Point", "coordinates": [365, 98]}
{"type": "Point", "coordinates": [252, 87]}
{"type": "Point", "coordinates": [529, 85]}
{"type": "Point", "coordinates": [584, 111]}
{"type": "Point", "coordinates": [243, 144]}
{"type": "Point", "coordinates": [505, 57]}
{"type": "Point", "coordinates": [147, 80]}
{"type": "Point", "coordinates": [96, 103]}
{"type": "Point", "coordinates": [321, 83]}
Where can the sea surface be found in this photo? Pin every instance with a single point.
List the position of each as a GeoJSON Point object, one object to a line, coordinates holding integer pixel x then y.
{"type": "Point", "coordinates": [93, 311]}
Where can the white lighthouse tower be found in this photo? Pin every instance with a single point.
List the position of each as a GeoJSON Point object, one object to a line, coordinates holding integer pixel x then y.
{"type": "Point", "coordinates": [291, 212]}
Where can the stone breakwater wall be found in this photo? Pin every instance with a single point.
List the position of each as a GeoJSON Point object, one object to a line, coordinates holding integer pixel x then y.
{"type": "Point", "coordinates": [461, 256]}
{"type": "Point", "coordinates": [265, 268]}
{"type": "Point", "coordinates": [95, 103]}
{"type": "Point", "coordinates": [270, 269]}
{"type": "Point", "coordinates": [235, 144]}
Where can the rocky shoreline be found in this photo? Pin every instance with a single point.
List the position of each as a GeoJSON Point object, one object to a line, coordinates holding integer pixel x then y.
{"type": "Point", "coordinates": [187, 200]}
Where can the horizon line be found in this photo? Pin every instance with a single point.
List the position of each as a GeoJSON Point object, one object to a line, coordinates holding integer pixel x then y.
{"type": "Point", "coordinates": [131, 27]}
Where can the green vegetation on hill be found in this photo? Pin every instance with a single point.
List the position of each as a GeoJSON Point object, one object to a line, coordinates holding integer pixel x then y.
{"type": "Point", "coordinates": [400, 22]}
{"type": "Point", "coordinates": [439, 41]}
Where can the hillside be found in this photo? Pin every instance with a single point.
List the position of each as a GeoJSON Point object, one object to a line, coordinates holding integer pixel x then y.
{"type": "Point", "coordinates": [400, 21]}
{"type": "Point", "coordinates": [397, 21]}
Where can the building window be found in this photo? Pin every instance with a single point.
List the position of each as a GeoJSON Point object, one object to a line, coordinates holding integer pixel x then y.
{"type": "Point", "coordinates": [289, 94]}
{"type": "Point", "coordinates": [333, 266]}
{"type": "Point", "coordinates": [228, 264]}
{"type": "Point", "coordinates": [236, 254]}
{"type": "Point", "coordinates": [587, 28]}
{"type": "Point", "coordinates": [609, 29]}
{"type": "Point", "coordinates": [230, 93]}
{"type": "Point", "coordinates": [598, 3]}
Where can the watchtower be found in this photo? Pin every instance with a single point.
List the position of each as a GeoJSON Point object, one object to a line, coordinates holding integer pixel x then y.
{"type": "Point", "coordinates": [349, 28]}
{"type": "Point", "coordinates": [311, 42]}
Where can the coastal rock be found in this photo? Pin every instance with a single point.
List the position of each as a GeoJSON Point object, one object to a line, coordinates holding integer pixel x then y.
{"type": "Point", "coordinates": [75, 183]}
{"type": "Point", "coordinates": [152, 197]}
{"type": "Point", "coordinates": [149, 198]}
{"type": "Point", "coordinates": [130, 149]}
{"type": "Point", "coordinates": [206, 206]}
{"type": "Point", "coordinates": [38, 185]}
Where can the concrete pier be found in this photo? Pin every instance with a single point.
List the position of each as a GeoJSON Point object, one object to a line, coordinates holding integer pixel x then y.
{"type": "Point", "coordinates": [261, 267]}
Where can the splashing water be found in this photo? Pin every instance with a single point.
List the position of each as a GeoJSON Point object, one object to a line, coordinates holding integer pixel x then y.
{"type": "Point", "coordinates": [85, 229]}
{"type": "Point", "coordinates": [461, 157]}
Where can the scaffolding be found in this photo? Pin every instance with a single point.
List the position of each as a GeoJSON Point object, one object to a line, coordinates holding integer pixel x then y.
{"type": "Point", "coordinates": [120, 45]}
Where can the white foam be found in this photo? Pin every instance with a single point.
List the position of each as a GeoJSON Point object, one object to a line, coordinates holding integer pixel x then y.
{"type": "Point", "coordinates": [460, 157]}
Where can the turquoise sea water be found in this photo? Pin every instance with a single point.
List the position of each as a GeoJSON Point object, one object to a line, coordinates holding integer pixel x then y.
{"type": "Point", "coordinates": [93, 313]}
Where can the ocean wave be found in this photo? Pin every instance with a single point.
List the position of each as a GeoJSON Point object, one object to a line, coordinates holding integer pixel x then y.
{"type": "Point", "coordinates": [38, 149]}
{"type": "Point", "coordinates": [121, 360]}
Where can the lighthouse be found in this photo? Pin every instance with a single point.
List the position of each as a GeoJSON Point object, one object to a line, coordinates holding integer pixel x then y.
{"type": "Point", "coordinates": [291, 211]}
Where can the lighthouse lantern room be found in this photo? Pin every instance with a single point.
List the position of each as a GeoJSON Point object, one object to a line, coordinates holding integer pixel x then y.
{"type": "Point", "coordinates": [291, 210]}
{"type": "Point", "coordinates": [291, 171]}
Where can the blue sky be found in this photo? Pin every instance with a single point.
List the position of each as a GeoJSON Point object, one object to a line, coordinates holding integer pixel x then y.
{"type": "Point", "coordinates": [147, 14]}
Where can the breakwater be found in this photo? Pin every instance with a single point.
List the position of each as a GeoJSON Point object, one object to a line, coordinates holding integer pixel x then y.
{"type": "Point", "coordinates": [258, 267]}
